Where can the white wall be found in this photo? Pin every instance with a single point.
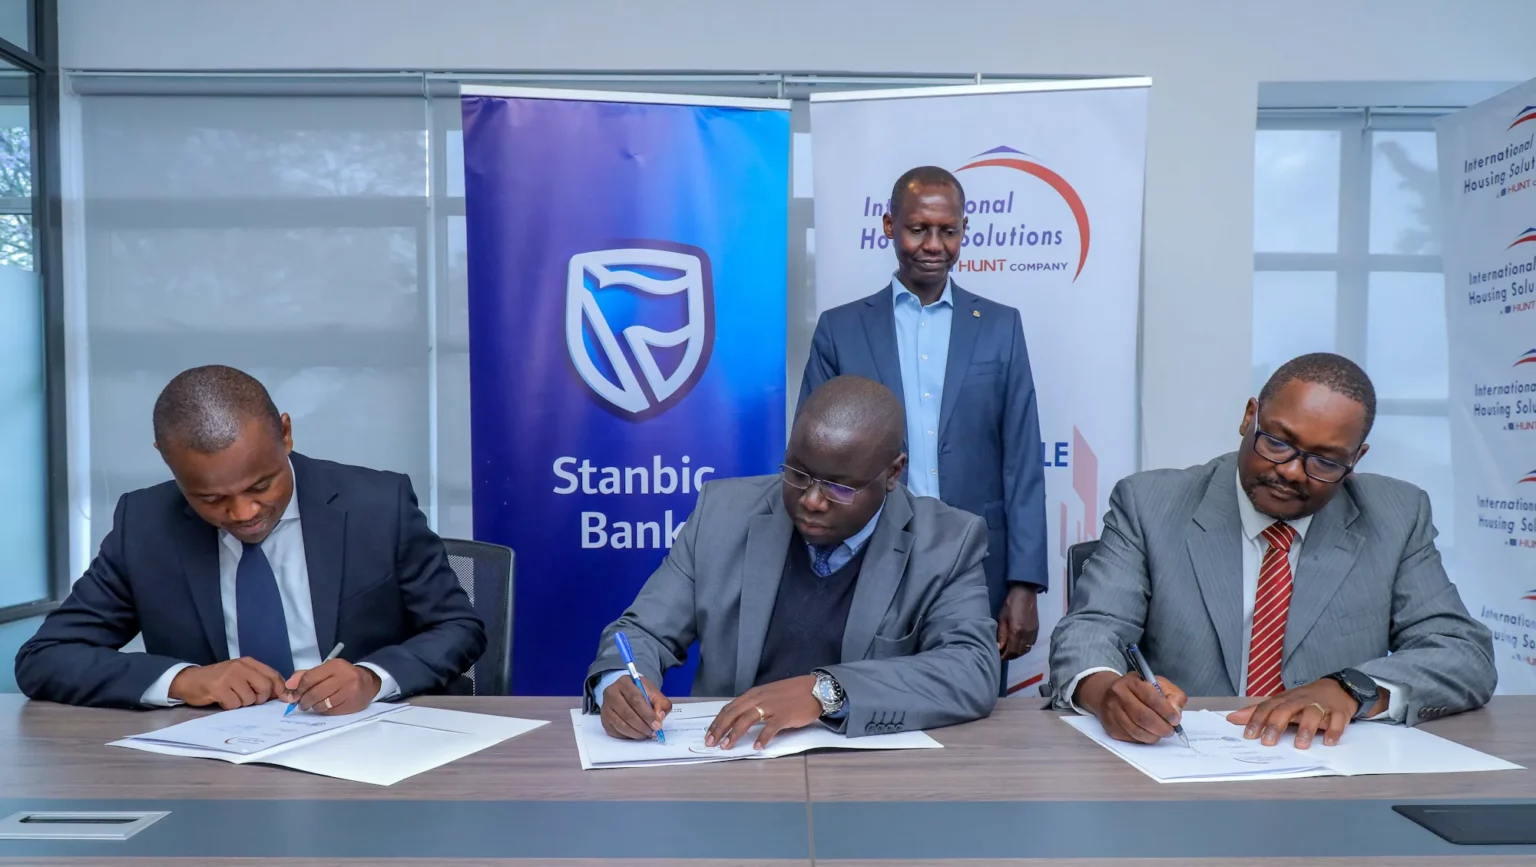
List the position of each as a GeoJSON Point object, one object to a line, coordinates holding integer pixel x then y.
{"type": "Point", "coordinates": [1206, 58]}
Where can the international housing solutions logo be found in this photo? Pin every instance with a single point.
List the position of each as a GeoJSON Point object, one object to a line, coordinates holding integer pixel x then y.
{"type": "Point", "coordinates": [1512, 515]}
{"type": "Point", "coordinates": [1015, 224]}
{"type": "Point", "coordinates": [1512, 627]}
{"type": "Point", "coordinates": [660, 297]}
{"type": "Point", "coordinates": [1507, 170]}
{"type": "Point", "coordinates": [1510, 404]}
{"type": "Point", "coordinates": [1511, 287]}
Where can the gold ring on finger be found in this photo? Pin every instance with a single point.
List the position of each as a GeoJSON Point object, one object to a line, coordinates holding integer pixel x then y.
{"type": "Point", "coordinates": [327, 704]}
{"type": "Point", "coordinates": [1325, 711]}
{"type": "Point", "coordinates": [760, 715]}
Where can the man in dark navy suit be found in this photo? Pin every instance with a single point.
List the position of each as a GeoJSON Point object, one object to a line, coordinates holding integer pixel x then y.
{"type": "Point", "coordinates": [959, 364]}
{"type": "Point", "coordinates": [246, 571]}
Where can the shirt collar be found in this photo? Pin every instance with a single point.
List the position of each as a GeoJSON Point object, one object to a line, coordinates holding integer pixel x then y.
{"type": "Point", "coordinates": [1256, 522]}
{"type": "Point", "coordinates": [856, 541]}
{"type": "Point", "coordinates": [899, 290]}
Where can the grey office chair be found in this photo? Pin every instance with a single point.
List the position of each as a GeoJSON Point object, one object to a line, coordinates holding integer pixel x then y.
{"type": "Point", "coordinates": [485, 572]}
{"type": "Point", "coordinates": [1077, 558]}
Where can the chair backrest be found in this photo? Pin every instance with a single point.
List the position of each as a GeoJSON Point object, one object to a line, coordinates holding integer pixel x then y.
{"type": "Point", "coordinates": [1077, 557]}
{"type": "Point", "coordinates": [485, 572]}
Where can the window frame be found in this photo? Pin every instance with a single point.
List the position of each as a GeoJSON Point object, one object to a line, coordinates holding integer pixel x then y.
{"type": "Point", "coordinates": [1352, 261]}
{"type": "Point", "coordinates": [41, 66]}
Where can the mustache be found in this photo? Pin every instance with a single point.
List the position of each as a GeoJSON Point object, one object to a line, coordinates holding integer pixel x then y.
{"type": "Point", "coordinates": [1274, 481]}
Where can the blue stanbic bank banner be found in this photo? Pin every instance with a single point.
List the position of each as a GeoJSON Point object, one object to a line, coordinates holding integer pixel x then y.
{"type": "Point", "coordinates": [627, 317]}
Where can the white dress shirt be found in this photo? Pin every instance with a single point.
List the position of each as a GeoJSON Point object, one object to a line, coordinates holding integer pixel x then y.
{"type": "Point", "coordinates": [284, 548]}
{"type": "Point", "coordinates": [1254, 547]}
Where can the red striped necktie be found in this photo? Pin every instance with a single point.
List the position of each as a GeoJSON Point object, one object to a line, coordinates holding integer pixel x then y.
{"type": "Point", "coordinates": [1271, 605]}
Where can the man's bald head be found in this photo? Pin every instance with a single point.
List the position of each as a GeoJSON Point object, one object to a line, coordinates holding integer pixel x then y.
{"type": "Point", "coordinates": [204, 409]}
{"type": "Point", "coordinates": [844, 457]}
{"type": "Point", "coordinates": [852, 407]}
{"type": "Point", "coordinates": [227, 445]}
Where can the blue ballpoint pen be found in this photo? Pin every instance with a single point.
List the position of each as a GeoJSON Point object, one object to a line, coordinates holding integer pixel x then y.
{"type": "Point", "coordinates": [628, 655]}
{"type": "Point", "coordinates": [1133, 653]}
{"type": "Point", "coordinates": [335, 652]}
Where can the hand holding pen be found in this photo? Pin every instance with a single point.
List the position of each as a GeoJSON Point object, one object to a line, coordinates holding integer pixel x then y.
{"type": "Point", "coordinates": [333, 687]}
{"type": "Point", "coordinates": [633, 708]}
{"type": "Point", "coordinates": [1131, 707]}
{"type": "Point", "coordinates": [1139, 662]}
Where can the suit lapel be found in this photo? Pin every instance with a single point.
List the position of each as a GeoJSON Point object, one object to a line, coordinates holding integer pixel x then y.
{"type": "Point", "coordinates": [324, 524]}
{"type": "Point", "coordinates": [1215, 551]}
{"type": "Point", "coordinates": [964, 330]}
{"type": "Point", "coordinates": [885, 563]}
{"type": "Point", "coordinates": [200, 562]}
{"type": "Point", "coordinates": [1327, 555]}
{"type": "Point", "coordinates": [880, 329]}
{"type": "Point", "coordinates": [762, 568]}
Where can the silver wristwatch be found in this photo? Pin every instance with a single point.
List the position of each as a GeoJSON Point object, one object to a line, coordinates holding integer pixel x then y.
{"type": "Point", "coordinates": [829, 693]}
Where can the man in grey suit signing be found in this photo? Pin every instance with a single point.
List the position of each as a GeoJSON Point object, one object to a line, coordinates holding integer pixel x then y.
{"type": "Point", "coordinates": [1276, 572]}
{"type": "Point", "coordinates": [824, 595]}
{"type": "Point", "coordinates": [960, 365]}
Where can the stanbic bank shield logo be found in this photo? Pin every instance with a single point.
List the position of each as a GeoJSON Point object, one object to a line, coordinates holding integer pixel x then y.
{"type": "Point", "coordinates": [657, 270]}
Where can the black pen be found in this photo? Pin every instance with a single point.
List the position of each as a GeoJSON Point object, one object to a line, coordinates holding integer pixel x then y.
{"type": "Point", "coordinates": [1140, 662]}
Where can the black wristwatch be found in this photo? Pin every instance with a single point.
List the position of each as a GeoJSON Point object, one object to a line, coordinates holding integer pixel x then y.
{"type": "Point", "coordinates": [1360, 687]}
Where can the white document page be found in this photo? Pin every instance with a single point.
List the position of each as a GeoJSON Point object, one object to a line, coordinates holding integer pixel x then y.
{"type": "Point", "coordinates": [259, 727]}
{"type": "Point", "coordinates": [1382, 748]}
{"type": "Point", "coordinates": [686, 726]}
{"type": "Point", "coordinates": [382, 750]}
{"type": "Point", "coordinates": [1218, 751]}
{"type": "Point", "coordinates": [401, 745]}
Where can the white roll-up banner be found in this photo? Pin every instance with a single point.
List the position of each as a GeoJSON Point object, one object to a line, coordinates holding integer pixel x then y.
{"type": "Point", "coordinates": [1053, 175]}
{"type": "Point", "coordinates": [1488, 192]}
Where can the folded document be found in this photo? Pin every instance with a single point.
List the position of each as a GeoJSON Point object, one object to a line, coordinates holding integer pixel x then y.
{"type": "Point", "coordinates": [1218, 751]}
{"type": "Point", "coordinates": [381, 745]}
{"type": "Point", "coordinates": [686, 726]}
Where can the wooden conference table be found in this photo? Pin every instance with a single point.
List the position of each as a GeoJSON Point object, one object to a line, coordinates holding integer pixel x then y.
{"type": "Point", "coordinates": [1019, 788]}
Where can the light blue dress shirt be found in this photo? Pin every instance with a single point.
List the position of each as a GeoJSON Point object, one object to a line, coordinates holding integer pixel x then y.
{"type": "Point", "coordinates": [922, 344]}
{"type": "Point", "coordinates": [840, 557]}
{"type": "Point", "coordinates": [284, 547]}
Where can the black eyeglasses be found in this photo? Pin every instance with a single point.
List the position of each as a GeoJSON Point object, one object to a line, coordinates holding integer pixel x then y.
{"type": "Point", "coordinates": [1277, 451]}
{"type": "Point", "coordinates": [843, 495]}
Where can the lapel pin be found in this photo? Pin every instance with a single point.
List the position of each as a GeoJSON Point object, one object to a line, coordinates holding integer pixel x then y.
{"type": "Point", "coordinates": [976, 313]}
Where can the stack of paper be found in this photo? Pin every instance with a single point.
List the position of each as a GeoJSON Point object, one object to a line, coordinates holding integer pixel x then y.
{"type": "Point", "coordinates": [686, 725]}
{"type": "Point", "coordinates": [1218, 751]}
{"type": "Point", "coordinates": [381, 745]}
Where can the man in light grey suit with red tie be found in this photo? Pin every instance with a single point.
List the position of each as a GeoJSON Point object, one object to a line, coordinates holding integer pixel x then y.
{"type": "Point", "coordinates": [959, 364]}
{"type": "Point", "coordinates": [1276, 572]}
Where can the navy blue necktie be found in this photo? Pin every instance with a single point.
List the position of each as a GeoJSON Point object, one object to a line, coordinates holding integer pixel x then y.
{"type": "Point", "coordinates": [262, 629]}
{"type": "Point", "coordinates": [821, 563]}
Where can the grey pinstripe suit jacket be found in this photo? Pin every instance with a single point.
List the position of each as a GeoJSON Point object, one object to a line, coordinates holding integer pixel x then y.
{"type": "Point", "coordinates": [1369, 582]}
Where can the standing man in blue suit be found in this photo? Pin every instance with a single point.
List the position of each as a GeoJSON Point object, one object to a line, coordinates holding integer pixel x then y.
{"type": "Point", "coordinates": [960, 365]}
{"type": "Point", "coordinates": [247, 569]}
